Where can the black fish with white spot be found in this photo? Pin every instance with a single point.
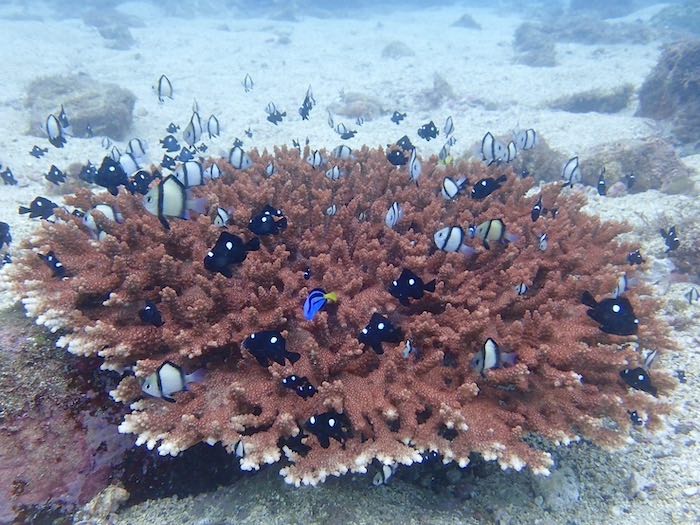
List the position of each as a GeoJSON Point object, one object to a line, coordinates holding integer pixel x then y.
{"type": "Point", "coordinates": [150, 314]}
{"type": "Point", "coordinates": [229, 250]}
{"type": "Point", "coordinates": [5, 237]}
{"type": "Point", "coordinates": [39, 207]}
{"type": "Point", "coordinates": [268, 346]}
{"type": "Point", "coordinates": [111, 175]}
{"type": "Point", "coordinates": [487, 186]}
{"type": "Point", "coordinates": [428, 131]}
{"type": "Point", "coordinates": [410, 286]}
{"type": "Point", "coordinates": [670, 238]}
{"type": "Point", "coordinates": [329, 425]}
{"type": "Point", "coordinates": [639, 379]}
{"type": "Point", "coordinates": [55, 176]}
{"type": "Point", "coordinates": [38, 152]}
{"type": "Point", "coordinates": [397, 117]}
{"type": "Point", "coordinates": [301, 385]}
{"type": "Point", "coordinates": [52, 262]}
{"type": "Point", "coordinates": [615, 315]}
{"type": "Point", "coordinates": [269, 221]}
{"type": "Point", "coordinates": [378, 331]}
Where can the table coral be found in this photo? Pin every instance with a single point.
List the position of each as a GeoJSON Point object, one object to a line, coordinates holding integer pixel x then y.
{"type": "Point", "coordinates": [565, 386]}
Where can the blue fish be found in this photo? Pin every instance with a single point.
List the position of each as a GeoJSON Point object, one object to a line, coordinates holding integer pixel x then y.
{"type": "Point", "coordinates": [316, 301]}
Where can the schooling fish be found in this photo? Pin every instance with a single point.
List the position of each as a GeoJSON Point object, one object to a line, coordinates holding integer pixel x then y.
{"type": "Point", "coordinates": [137, 148]}
{"type": "Point", "coordinates": [269, 221]}
{"type": "Point", "coordinates": [169, 198]}
{"type": "Point", "coordinates": [170, 144]}
{"type": "Point", "coordinates": [394, 215]}
{"type": "Point", "coordinates": [397, 117]}
{"type": "Point", "coordinates": [140, 181]}
{"type": "Point", "coordinates": [378, 331]}
{"type": "Point", "coordinates": [239, 159]}
{"type": "Point", "coordinates": [55, 176]}
{"type": "Point", "coordinates": [170, 379]}
{"type": "Point", "coordinates": [525, 139]}
{"type": "Point", "coordinates": [493, 230]}
{"type": "Point", "coordinates": [88, 173]}
{"type": "Point", "coordinates": [193, 131]}
{"type": "Point", "coordinates": [449, 127]}
{"type": "Point", "coordinates": [150, 314]}
{"type": "Point", "coordinates": [521, 289]}
{"type": "Point", "coordinates": [342, 152]}
{"type": "Point", "coordinates": [52, 262]}
{"type": "Point", "coordinates": [38, 152]}
{"type": "Point", "coordinates": [301, 385]}
{"type": "Point", "coordinates": [428, 131]}
{"type": "Point", "coordinates": [492, 150]}
{"type": "Point", "coordinates": [334, 173]}
{"type": "Point", "coordinates": [487, 186]}
{"type": "Point", "coordinates": [451, 239]}
{"type": "Point", "coordinates": [670, 238]}
{"type": "Point", "coordinates": [269, 345]}
{"type": "Point", "coordinates": [491, 356]}
{"type": "Point", "coordinates": [316, 301]}
{"type": "Point", "coordinates": [229, 250]}
{"type": "Point", "coordinates": [571, 172]}
{"type": "Point", "coordinates": [65, 123]}
{"type": "Point", "coordinates": [414, 167]}
{"type": "Point", "coordinates": [384, 472]}
{"type": "Point", "coordinates": [634, 257]}
{"type": "Point", "coordinates": [615, 315]}
{"type": "Point", "coordinates": [629, 180]}
{"type": "Point", "coordinates": [536, 210]}
{"type": "Point", "coordinates": [315, 159]}
{"type": "Point", "coordinates": [692, 295]}
{"type": "Point", "coordinates": [247, 83]}
{"type": "Point", "coordinates": [55, 131]}
{"type": "Point", "coordinates": [164, 89]}
{"type": "Point", "coordinates": [405, 143]}
{"type": "Point", "coordinates": [451, 188]}
{"type": "Point", "coordinates": [409, 349]}
{"type": "Point", "coordinates": [410, 286]}
{"type": "Point", "coordinates": [168, 162]}
{"type": "Point", "coordinates": [329, 425]}
{"type": "Point", "coordinates": [5, 237]}
{"type": "Point", "coordinates": [39, 207]}
{"type": "Point", "coordinates": [111, 175]}
{"type": "Point", "coordinates": [8, 178]}
{"type": "Point", "coordinates": [190, 173]}
{"type": "Point", "coordinates": [172, 128]}
{"type": "Point", "coordinates": [543, 242]}
{"type": "Point", "coordinates": [213, 127]}
{"type": "Point", "coordinates": [222, 218]}
{"type": "Point", "coordinates": [110, 214]}
{"type": "Point", "coordinates": [602, 188]}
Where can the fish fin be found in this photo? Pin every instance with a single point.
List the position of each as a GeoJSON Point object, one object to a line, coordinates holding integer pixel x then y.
{"type": "Point", "coordinates": [164, 222]}
{"type": "Point", "coordinates": [293, 357]}
{"type": "Point", "coordinates": [23, 210]}
{"type": "Point", "coordinates": [404, 301]}
{"type": "Point", "coordinates": [378, 348]}
{"type": "Point", "coordinates": [196, 377]}
{"type": "Point", "coordinates": [197, 205]}
{"type": "Point", "coordinates": [227, 271]}
{"type": "Point", "coordinates": [282, 223]}
{"type": "Point", "coordinates": [331, 297]}
{"type": "Point", "coordinates": [324, 441]}
{"type": "Point", "coordinates": [588, 299]}
{"type": "Point", "coordinates": [508, 359]}
{"type": "Point", "coordinates": [253, 245]}
{"type": "Point", "coordinates": [510, 237]}
{"type": "Point", "coordinates": [168, 398]}
{"type": "Point", "coordinates": [502, 179]}
{"type": "Point", "coordinates": [429, 287]}
{"type": "Point", "coordinates": [486, 244]}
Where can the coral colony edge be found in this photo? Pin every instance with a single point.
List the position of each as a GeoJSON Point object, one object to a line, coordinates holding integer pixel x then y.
{"type": "Point", "coordinates": [394, 399]}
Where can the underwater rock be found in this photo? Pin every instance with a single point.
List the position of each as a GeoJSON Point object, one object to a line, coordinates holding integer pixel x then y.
{"type": "Point", "coordinates": [602, 8]}
{"type": "Point", "coordinates": [560, 490]}
{"type": "Point", "coordinates": [355, 105]}
{"type": "Point", "coordinates": [106, 107]}
{"type": "Point", "coordinates": [683, 19]}
{"type": "Point", "coordinates": [435, 96]}
{"type": "Point", "coordinates": [466, 20]}
{"type": "Point", "coordinates": [396, 50]}
{"type": "Point", "coordinates": [113, 26]}
{"type": "Point", "coordinates": [671, 93]}
{"type": "Point", "coordinates": [534, 47]}
{"type": "Point", "coordinates": [595, 100]}
{"type": "Point", "coordinates": [104, 504]}
{"type": "Point", "coordinates": [653, 161]}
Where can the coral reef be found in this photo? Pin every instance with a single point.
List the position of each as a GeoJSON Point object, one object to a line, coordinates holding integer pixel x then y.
{"type": "Point", "coordinates": [596, 100]}
{"type": "Point", "coordinates": [565, 385]}
{"type": "Point", "coordinates": [671, 93]}
{"type": "Point", "coordinates": [106, 107]}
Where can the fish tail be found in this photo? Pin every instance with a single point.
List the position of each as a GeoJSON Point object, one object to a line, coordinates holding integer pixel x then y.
{"type": "Point", "coordinates": [588, 299]}
{"type": "Point", "coordinates": [253, 244]}
{"type": "Point", "coordinates": [282, 223]}
{"type": "Point", "coordinates": [293, 357]}
{"type": "Point", "coordinates": [502, 178]}
{"type": "Point", "coordinates": [196, 377]}
{"type": "Point", "coordinates": [331, 296]}
{"type": "Point", "coordinates": [23, 210]}
{"type": "Point", "coordinates": [430, 287]}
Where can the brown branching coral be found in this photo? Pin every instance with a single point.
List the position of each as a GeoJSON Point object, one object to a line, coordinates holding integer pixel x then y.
{"type": "Point", "coordinates": [565, 385]}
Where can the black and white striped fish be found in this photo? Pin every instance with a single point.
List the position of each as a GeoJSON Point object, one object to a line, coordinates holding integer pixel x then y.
{"type": "Point", "coordinates": [394, 215]}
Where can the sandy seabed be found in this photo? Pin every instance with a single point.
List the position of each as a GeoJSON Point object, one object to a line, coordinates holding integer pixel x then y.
{"type": "Point", "coordinates": [657, 479]}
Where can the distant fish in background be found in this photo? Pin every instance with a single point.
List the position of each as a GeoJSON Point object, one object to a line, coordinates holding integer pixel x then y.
{"type": "Point", "coordinates": [247, 83]}
{"type": "Point", "coordinates": [692, 295]}
{"type": "Point", "coordinates": [525, 139]}
{"type": "Point", "coordinates": [571, 172]}
{"type": "Point", "coordinates": [185, 154]}
{"type": "Point", "coordinates": [397, 117]}
{"type": "Point", "coordinates": [359, 120]}
{"type": "Point", "coordinates": [301, 385]}
{"type": "Point", "coordinates": [239, 159]}
{"type": "Point", "coordinates": [492, 151]}
{"type": "Point", "coordinates": [168, 162]}
{"type": "Point", "coordinates": [342, 152]}
{"type": "Point", "coordinates": [394, 215]}
{"type": "Point", "coordinates": [315, 159]}
{"type": "Point", "coordinates": [414, 167]}
{"type": "Point", "coordinates": [248, 132]}
{"type": "Point", "coordinates": [428, 131]}
{"type": "Point", "coordinates": [55, 176]}
{"type": "Point", "coordinates": [630, 180]}
{"type": "Point", "coordinates": [55, 131]}
{"type": "Point", "coordinates": [543, 242]}
{"type": "Point", "coordinates": [150, 314]}
{"type": "Point", "coordinates": [193, 131]}
{"type": "Point", "coordinates": [491, 356]}
{"type": "Point", "coordinates": [164, 89]}
{"type": "Point", "coordinates": [307, 105]}
{"type": "Point", "coordinates": [449, 127]}
{"type": "Point", "coordinates": [213, 127]}
{"type": "Point", "coordinates": [140, 181]}
{"type": "Point", "coordinates": [65, 123]}
{"type": "Point", "coordinates": [405, 143]}
{"type": "Point", "coordinates": [274, 115]}
{"type": "Point", "coordinates": [670, 238]}
{"type": "Point", "coordinates": [172, 128]}
{"type": "Point", "coordinates": [54, 264]}
{"type": "Point", "coordinates": [8, 179]}
{"type": "Point", "coordinates": [137, 148]}
{"type": "Point", "coordinates": [602, 188]}
{"type": "Point", "coordinates": [634, 257]}
{"type": "Point", "coordinates": [170, 144]}
{"type": "Point", "coordinates": [5, 237]}
{"type": "Point", "coordinates": [38, 152]}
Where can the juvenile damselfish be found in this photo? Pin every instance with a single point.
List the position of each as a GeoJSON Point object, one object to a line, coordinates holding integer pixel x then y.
{"type": "Point", "coordinates": [410, 286]}
{"type": "Point", "coordinates": [269, 346]}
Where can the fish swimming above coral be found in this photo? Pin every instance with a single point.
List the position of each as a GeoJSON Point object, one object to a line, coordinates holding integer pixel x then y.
{"type": "Point", "coordinates": [269, 346]}
{"type": "Point", "coordinates": [379, 330]}
{"type": "Point", "coordinates": [169, 379]}
{"type": "Point", "coordinates": [268, 221]}
{"type": "Point", "coordinates": [229, 250]}
{"type": "Point", "coordinates": [170, 199]}
{"type": "Point", "coordinates": [409, 286]}
{"type": "Point", "coordinates": [327, 426]}
{"type": "Point", "coordinates": [615, 315]}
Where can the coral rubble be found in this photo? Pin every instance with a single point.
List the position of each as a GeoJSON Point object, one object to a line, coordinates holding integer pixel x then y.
{"type": "Point", "coordinates": [565, 385]}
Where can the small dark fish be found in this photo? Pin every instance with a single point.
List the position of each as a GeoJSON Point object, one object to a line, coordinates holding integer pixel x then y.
{"type": "Point", "coordinates": [428, 131]}
{"type": "Point", "coordinates": [524, 173]}
{"type": "Point", "coordinates": [670, 238]}
{"type": "Point", "coordinates": [348, 135]}
{"type": "Point", "coordinates": [639, 379]}
{"type": "Point", "coordinates": [39, 207]}
{"type": "Point", "coordinates": [410, 286]}
{"type": "Point", "coordinates": [88, 173]}
{"type": "Point", "coordinates": [185, 155]}
{"type": "Point", "coordinates": [8, 178]}
{"type": "Point", "coordinates": [38, 152]}
{"type": "Point", "coordinates": [55, 176]}
{"type": "Point", "coordinates": [89, 133]}
{"type": "Point", "coordinates": [276, 117]}
{"type": "Point", "coordinates": [269, 345]}
{"type": "Point", "coordinates": [202, 148]}
{"type": "Point", "coordinates": [359, 121]}
{"type": "Point", "coordinates": [168, 163]}
{"type": "Point", "coordinates": [634, 257]}
{"type": "Point", "coordinates": [5, 237]}
{"type": "Point", "coordinates": [151, 315]}
{"type": "Point", "coordinates": [602, 189]}
{"type": "Point", "coordinates": [301, 385]}
{"type": "Point", "coordinates": [307, 274]}
{"type": "Point", "coordinates": [140, 181]}
{"type": "Point", "coordinates": [405, 144]}
{"type": "Point", "coordinates": [630, 179]}
{"type": "Point", "coordinates": [229, 250]}
{"type": "Point", "coordinates": [396, 157]}
{"type": "Point", "coordinates": [692, 295]}
{"type": "Point", "coordinates": [615, 315]}
{"type": "Point", "coordinates": [487, 186]}
{"type": "Point", "coordinates": [56, 266]}
{"type": "Point", "coordinates": [111, 175]}
{"type": "Point", "coordinates": [295, 443]}
{"type": "Point", "coordinates": [170, 144]}
{"type": "Point", "coordinates": [5, 260]}
{"type": "Point", "coordinates": [248, 133]}
{"type": "Point", "coordinates": [378, 331]}
{"type": "Point", "coordinates": [397, 117]}
{"type": "Point", "coordinates": [680, 374]}
{"type": "Point", "coordinates": [536, 210]}
{"type": "Point", "coordinates": [635, 418]}
{"type": "Point", "coordinates": [269, 221]}
{"type": "Point", "coordinates": [172, 128]}
{"type": "Point", "coordinates": [237, 143]}
{"type": "Point", "coordinates": [329, 425]}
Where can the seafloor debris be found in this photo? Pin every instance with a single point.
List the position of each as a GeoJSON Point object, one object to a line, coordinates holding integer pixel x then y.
{"type": "Point", "coordinates": [371, 401]}
{"type": "Point", "coordinates": [596, 100]}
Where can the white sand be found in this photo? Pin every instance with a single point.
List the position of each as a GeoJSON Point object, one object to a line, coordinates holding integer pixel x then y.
{"type": "Point", "coordinates": [333, 55]}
